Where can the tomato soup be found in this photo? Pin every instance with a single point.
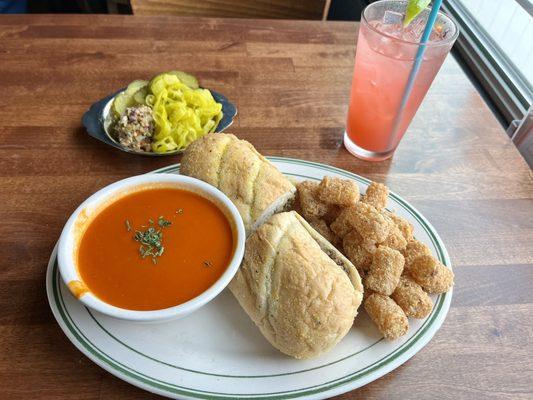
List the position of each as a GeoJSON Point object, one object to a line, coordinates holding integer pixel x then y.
{"type": "Point", "coordinates": [155, 248]}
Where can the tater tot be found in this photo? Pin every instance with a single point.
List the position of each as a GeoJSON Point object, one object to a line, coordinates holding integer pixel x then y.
{"type": "Point", "coordinates": [429, 273]}
{"type": "Point", "coordinates": [370, 223]}
{"type": "Point", "coordinates": [310, 205]}
{"type": "Point", "coordinates": [358, 250]}
{"type": "Point", "coordinates": [342, 192]}
{"type": "Point", "coordinates": [366, 294]}
{"type": "Point", "coordinates": [332, 214]}
{"type": "Point", "coordinates": [366, 219]}
{"type": "Point", "coordinates": [345, 222]}
{"type": "Point", "coordinates": [395, 240]}
{"type": "Point", "coordinates": [387, 315]}
{"type": "Point", "coordinates": [376, 195]}
{"type": "Point", "coordinates": [403, 225]}
{"type": "Point", "coordinates": [385, 271]}
{"type": "Point", "coordinates": [410, 296]}
{"type": "Point", "coordinates": [323, 228]}
{"type": "Point", "coordinates": [295, 206]}
{"type": "Point", "coordinates": [413, 250]}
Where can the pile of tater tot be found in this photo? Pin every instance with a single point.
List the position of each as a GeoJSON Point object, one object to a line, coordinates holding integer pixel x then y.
{"type": "Point", "coordinates": [398, 271]}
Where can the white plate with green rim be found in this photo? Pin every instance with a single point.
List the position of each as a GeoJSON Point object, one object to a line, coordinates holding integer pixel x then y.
{"type": "Point", "coordinates": [218, 353]}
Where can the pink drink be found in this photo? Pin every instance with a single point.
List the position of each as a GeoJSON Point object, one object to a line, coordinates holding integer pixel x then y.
{"type": "Point", "coordinates": [384, 59]}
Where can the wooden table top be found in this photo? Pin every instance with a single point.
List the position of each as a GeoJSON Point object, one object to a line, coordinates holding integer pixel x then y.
{"type": "Point", "coordinates": [291, 82]}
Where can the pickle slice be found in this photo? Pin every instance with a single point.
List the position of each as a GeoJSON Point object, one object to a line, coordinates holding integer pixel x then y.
{"type": "Point", "coordinates": [120, 103]}
{"type": "Point", "coordinates": [185, 78]}
{"type": "Point", "coordinates": [140, 95]}
{"type": "Point", "coordinates": [134, 95]}
{"type": "Point", "coordinates": [134, 86]}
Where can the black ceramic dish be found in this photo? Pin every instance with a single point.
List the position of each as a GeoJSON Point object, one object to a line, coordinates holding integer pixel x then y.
{"type": "Point", "coordinates": [96, 121]}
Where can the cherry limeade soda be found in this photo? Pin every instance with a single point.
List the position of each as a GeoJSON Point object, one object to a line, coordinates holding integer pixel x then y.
{"type": "Point", "coordinates": [384, 58]}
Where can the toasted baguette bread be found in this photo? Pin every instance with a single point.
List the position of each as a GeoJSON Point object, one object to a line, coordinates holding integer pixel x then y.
{"type": "Point", "coordinates": [234, 166]}
{"type": "Point", "coordinates": [300, 291]}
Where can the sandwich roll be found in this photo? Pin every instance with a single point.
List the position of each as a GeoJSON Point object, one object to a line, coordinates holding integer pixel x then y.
{"type": "Point", "coordinates": [300, 291]}
{"type": "Point", "coordinates": [234, 166]}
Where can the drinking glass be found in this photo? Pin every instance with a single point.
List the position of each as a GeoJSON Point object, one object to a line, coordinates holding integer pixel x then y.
{"type": "Point", "coordinates": [384, 58]}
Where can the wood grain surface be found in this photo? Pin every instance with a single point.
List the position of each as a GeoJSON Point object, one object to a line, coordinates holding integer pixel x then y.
{"type": "Point", "coordinates": [284, 9]}
{"type": "Point", "coordinates": [290, 81]}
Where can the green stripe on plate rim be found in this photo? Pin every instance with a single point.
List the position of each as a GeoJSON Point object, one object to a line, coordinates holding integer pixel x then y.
{"type": "Point", "coordinates": [181, 390]}
{"type": "Point", "coordinates": [224, 375]}
{"type": "Point", "coordinates": [137, 376]}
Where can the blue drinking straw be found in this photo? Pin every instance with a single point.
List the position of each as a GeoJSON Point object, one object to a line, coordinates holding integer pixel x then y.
{"type": "Point", "coordinates": [418, 61]}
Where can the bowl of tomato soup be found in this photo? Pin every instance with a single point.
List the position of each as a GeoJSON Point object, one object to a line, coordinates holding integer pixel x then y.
{"type": "Point", "coordinates": [151, 247]}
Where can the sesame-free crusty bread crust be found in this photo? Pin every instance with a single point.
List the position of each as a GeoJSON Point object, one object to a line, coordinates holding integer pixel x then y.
{"type": "Point", "coordinates": [234, 166]}
{"type": "Point", "coordinates": [302, 301]}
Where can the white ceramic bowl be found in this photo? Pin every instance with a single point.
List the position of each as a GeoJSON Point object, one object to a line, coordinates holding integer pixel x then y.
{"type": "Point", "coordinates": [75, 226]}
